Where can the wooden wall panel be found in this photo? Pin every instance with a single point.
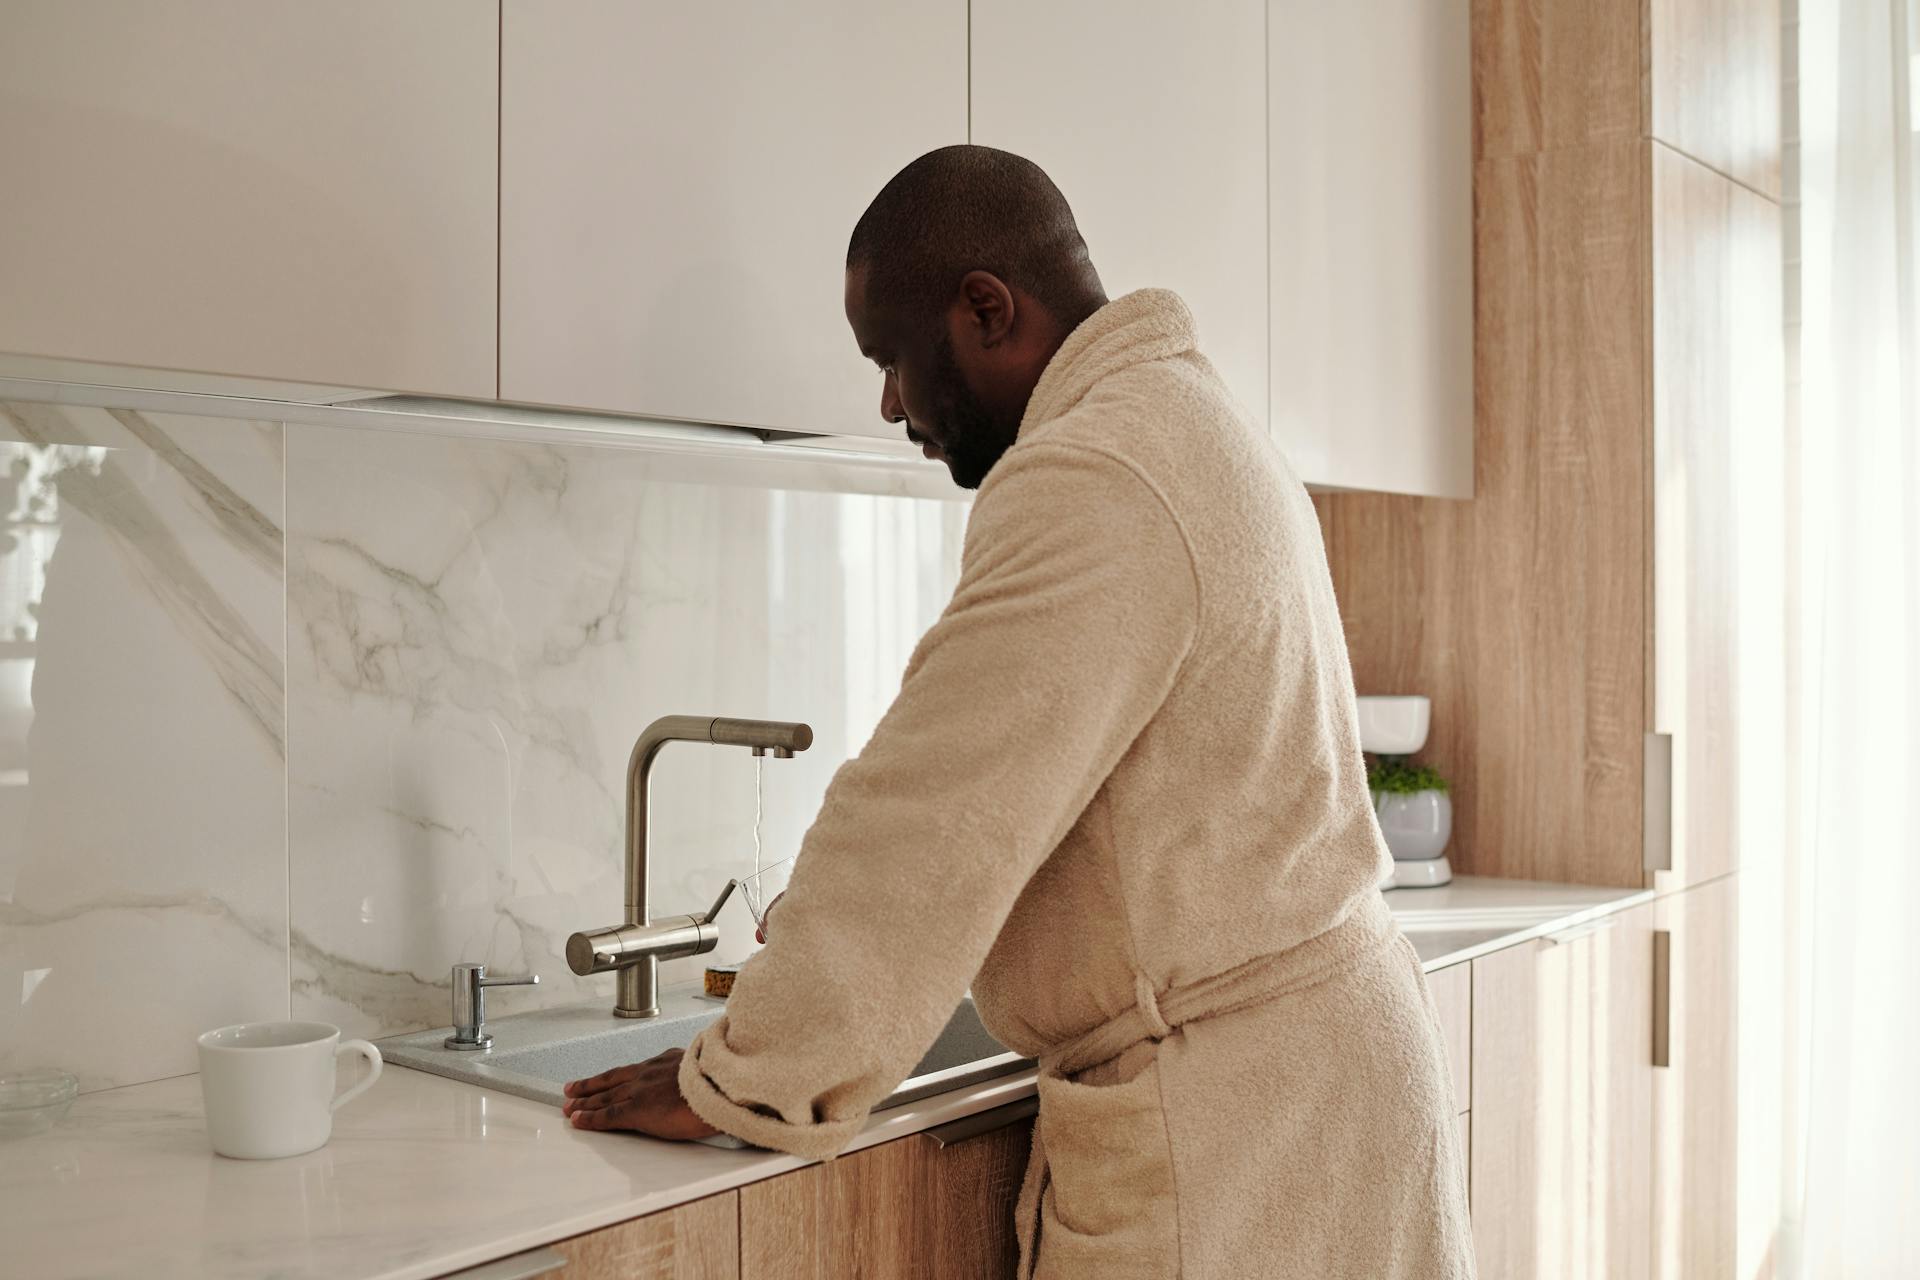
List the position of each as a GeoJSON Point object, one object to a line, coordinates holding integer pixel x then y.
{"type": "Point", "coordinates": [1523, 613]}
{"type": "Point", "coordinates": [1551, 74]}
{"type": "Point", "coordinates": [1602, 397]}
{"type": "Point", "coordinates": [1714, 85]}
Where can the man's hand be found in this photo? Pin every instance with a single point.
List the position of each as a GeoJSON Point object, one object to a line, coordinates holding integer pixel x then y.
{"type": "Point", "coordinates": [644, 1097]}
{"type": "Point", "coordinates": [760, 934]}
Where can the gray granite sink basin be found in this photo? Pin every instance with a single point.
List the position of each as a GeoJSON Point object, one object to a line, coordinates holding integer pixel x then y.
{"type": "Point", "coordinates": [534, 1055]}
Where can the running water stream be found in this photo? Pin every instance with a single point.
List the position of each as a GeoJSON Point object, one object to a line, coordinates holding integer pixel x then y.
{"type": "Point", "coordinates": [759, 807]}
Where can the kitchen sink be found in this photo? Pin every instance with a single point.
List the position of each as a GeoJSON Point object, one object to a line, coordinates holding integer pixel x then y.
{"type": "Point", "coordinates": [534, 1055]}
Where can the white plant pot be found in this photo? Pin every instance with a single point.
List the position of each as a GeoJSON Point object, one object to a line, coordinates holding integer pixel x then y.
{"type": "Point", "coordinates": [1416, 826]}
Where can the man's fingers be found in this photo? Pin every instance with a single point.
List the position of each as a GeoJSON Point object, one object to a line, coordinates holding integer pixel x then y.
{"type": "Point", "coordinates": [675, 1123]}
{"type": "Point", "coordinates": [604, 1118]}
{"type": "Point", "coordinates": [605, 1080]}
{"type": "Point", "coordinates": [766, 919]}
{"type": "Point", "coordinates": [622, 1082]}
{"type": "Point", "coordinates": [600, 1101]}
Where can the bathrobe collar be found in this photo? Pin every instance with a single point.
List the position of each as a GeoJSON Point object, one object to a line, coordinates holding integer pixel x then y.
{"type": "Point", "coordinates": [1145, 325]}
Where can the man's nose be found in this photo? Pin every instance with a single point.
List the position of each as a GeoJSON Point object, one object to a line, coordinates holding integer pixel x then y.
{"type": "Point", "coordinates": [891, 410]}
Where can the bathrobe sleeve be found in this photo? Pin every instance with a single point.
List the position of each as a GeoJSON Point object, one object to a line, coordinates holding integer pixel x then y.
{"type": "Point", "coordinates": [1076, 607]}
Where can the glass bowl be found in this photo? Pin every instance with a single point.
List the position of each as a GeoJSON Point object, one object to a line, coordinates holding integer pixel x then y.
{"type": "Point", "coordinates": [34, 1101]}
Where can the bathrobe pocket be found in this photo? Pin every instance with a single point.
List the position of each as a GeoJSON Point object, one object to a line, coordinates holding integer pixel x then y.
{"type": "Point", "coordinates": [1106, 1205]}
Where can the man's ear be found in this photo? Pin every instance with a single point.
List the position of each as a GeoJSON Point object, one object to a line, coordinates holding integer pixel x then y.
{"type": "Point", "coordinates": [988, 308]}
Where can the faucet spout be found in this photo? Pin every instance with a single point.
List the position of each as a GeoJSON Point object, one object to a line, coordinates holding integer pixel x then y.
{"type": "Point", "coordinates": [635, 949]}
{"type": "Point", "coordinates": [777, 736]}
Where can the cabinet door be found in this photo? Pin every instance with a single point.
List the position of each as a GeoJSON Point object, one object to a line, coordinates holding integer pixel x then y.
{"type": "Point", "coordinates": [1561, 1120]}
{"type": "Point", "coordinates": [1151, 118]}
{"type": "Point", "coordinates": [1713, 84]}
{"type": "Point", "coordinates": [697, 1241]}
{"type": "Point", "coordinates": [912, 1209]}
{"type": "Point", "coordinates": [302, 192]}
{"type": "Point", "coordinates": [1371, 199]}
{"type": "Point", "coordinates": [1696, 1089]}
{"type": "Point", "coordinates": [1719, 484]}
{"type": "Point", "coordinates": [1453, 998]}
{"type": "Point", "coordinates": [678, 183]}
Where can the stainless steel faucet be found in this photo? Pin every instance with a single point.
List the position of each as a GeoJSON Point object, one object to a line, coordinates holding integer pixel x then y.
{"type": "Point", "coordinates": [635, 949]}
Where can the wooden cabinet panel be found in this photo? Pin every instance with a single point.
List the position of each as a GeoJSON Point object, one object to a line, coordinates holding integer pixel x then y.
{"type": "Point", "coordinates": [697, 1241]}
{"type": "Point", "coordinates": [285, 191]}
{"type": "Point", "coordinates": [1718, 506]}
{"type": "Point", "coordinates": [678, 183]}
{"type": "Point", "coordinates": [1696, 1094]}
{"type": "Point", "coordinates": [1554, 74]}
{"type": "Point", "coordinates": [1714, 84]}
{"type": "Point", "coordinates": [1453, 995]}
{"type": "Point", "coordinates": [904, 1210]}
{"type": "Point", "coordinates": [1370, 212]}
{"type": "Point", "coordinates": [1152, 120]}
{"type": "Point", "coordinates": [1561, 1118]}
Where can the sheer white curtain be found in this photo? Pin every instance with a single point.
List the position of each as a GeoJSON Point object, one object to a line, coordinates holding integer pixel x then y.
{"type": "Point", "coordinates": [1851, 1190]}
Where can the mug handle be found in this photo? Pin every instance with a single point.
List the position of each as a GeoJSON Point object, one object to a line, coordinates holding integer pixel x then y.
{"type": "Point", "coordinates": [372, 1055]}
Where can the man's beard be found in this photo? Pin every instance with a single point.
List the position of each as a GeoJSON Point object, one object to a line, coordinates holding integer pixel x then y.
{"type": "Point", "coordinates": [970, 436]}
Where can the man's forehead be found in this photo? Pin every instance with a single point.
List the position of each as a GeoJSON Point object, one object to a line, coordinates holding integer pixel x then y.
{"type": "Point", "coordinates": [869, 324]}
{"type": "Point", "coordinates": [856, 285]}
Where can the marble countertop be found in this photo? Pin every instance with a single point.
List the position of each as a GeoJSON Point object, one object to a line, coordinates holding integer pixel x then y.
{"type": "Point", "coordinates": [423, 1176]}
{"type": "Point", "coordinates": [1476, 914]}
{"type": "Point", "coordinates": [426, 1176]}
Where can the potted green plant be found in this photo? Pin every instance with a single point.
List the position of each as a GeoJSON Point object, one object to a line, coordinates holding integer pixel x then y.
{"type": "Point", "coordinates": [1411, 801]}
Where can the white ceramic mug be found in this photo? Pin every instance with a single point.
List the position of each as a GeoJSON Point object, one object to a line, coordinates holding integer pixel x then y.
{"type": "Point", "coordinates": [268, 1086]}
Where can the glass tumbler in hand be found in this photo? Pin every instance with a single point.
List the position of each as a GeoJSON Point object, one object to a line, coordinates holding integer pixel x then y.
{"type": "Point", "coordinates": [762, 889]}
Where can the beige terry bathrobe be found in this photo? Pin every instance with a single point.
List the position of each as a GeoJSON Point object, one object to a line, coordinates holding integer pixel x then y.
{"type": "Point", "coordinates": [1121, 795]}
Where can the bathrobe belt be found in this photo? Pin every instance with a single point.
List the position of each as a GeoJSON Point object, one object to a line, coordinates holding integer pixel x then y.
{"type": "Point", "coordinates": [1155, 1015]}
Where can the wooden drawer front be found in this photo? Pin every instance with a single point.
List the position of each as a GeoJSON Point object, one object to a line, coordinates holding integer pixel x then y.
{"type": "Point", "coordinates": [1562, 1104]}
{"type": "Point", "coordinates": [904, 1210]}
{"type": "Point", "coordinates": [698, 1241]}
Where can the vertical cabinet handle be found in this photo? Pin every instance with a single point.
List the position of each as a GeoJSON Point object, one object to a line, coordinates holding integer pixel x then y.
{"type": "Point", "coordinates": [1656, 790]}
{"type": "Point", "coordinates": [1663, 997]}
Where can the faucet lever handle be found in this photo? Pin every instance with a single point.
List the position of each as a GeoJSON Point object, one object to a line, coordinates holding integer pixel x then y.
{"type": "Point", "coordinates": [720, 902]}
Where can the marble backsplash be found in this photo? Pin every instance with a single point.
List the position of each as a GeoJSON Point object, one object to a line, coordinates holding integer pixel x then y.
{"type": "Point", "coordinates": [143, 880]}
{"type": "Point", "coordinates": [294, 717]}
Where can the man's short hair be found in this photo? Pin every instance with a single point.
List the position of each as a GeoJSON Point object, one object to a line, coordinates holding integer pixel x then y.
{"type": "Point", "coordinates": [968, 208]}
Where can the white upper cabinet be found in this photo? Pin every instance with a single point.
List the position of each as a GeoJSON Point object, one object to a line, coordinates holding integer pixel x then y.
{"type": "Point", "coordinates": [1151, 118]}
{"type": "Point", "coordinates": [1371, 212]}
{"type": "Point", "coordinates": [678, 183]}
{"type": "Point", "coordinates": [291, 191]}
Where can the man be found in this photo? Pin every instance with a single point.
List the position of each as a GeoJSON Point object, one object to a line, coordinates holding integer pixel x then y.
{"type": "Point", "coordinates": [1120, 794]}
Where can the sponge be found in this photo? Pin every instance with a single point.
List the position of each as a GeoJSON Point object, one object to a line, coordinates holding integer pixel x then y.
{"type": "Point", "coordinates": [719, 980]}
